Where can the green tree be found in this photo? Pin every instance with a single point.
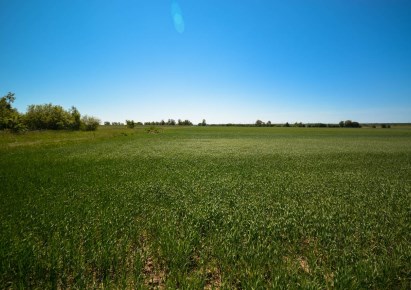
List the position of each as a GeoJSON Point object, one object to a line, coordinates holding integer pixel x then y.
{"type": "Point", "coordinates": [348, 124]}
{"type": "Point", "coordinates": [130, 124]}
{"type": "Point", "coordinates": [89, 123]}
{"type": "Point", "coordinates": [259, 123]}
{"type": "Point", "coordinates": [49, 116]}
{"type": "Point", "coordinates": [6, 110]}
{"type": "Point", "coordinates": [9, 116]}
{"type": "Point", "coordinates": [76, 118]}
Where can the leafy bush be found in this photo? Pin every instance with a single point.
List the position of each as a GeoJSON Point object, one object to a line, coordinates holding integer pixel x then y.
{"type": "Point", "coordinates": [349, 124]}
{"type": "Point", "coordinates": [49, 116]}
{"type": "Point", "coordinates": [203, 123]}
{"type": "Point", "coordinates": [171, 122]}
{"type": "Point", "coordinates": [259, 123]}
{"type": "Point", "coordinates": [89, 123]}
{"type": "Point", "coordinates": [9, 117]}
{"type": "Point", "coordinates": [153, 130]}
{"type": "Point", "coordinates": [43, 117]}
{"type": "Point", "coordinates": [184, 123]}
{"type": "Point", "coordinates": [130, 124]}
{"type": "Point", "coordinates": [75, 118]}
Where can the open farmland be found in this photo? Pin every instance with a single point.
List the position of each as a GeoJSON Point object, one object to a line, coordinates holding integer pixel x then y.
{"type": "Point", "coordinates": [206, 207]}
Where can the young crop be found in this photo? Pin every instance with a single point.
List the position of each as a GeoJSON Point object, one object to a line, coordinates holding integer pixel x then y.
{"type": "Point", "coordinates": [206, 208]}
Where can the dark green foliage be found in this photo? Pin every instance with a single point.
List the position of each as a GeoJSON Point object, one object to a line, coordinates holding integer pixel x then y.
{"type": "Point", "coordinates": [89, 123]}
{"type": "Point", "coordinates": [76, 118]}
{"type": "Point", "coordinates": [317, 125]}
{"type": "Point", "coordinates": [203, 123]}
{"type": "Point", "coordinates": [350, 124]}
{"type": "Point", "coordinates": [184, 123]}
{"type": "Point", "coordinates": [259, 123]}
{"type": "Point", "coordinates": [170, 122]}
{"type": "Point", "coordinates": [130, 124]}
{"type": "Point", "coordinates": [153, 130]}
{"type": "Point", "coordinates": [9, 117]}
{"type": "Point", "coordinates": [48, 116]}
{"type": "Point", "coordinates": [53, 117]}
{"type": "Point", "coordinates": [43, 117]}
{"type": "Point", "coordinates": [6, 110]}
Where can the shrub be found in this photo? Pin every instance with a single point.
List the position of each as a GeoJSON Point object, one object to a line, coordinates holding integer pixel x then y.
{"type": "Point", "coordinates": [51, 117]}
{"type": "Point", "coordinates": [259, 123]}
{"type": "Point", "coordinates": [75, 118]}
{"type": "Point", "coordinates": [130, 124]}
{"type": "Point", "coordinates": [184, 123]}
{"type": "Point", "coordinates": [89, 123]}
{"type": "Point", "coordinates": [153, 130]}
{"type": "Point", "coordinates": [9, 117]}
{"type": "Point", "coordinates": [349, 124]}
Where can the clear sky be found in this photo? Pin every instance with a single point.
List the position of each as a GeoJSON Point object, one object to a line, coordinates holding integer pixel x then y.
{"type": "Point", "coordinates": [222, 60]}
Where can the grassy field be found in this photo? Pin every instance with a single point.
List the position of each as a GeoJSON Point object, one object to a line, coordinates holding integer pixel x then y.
{"type": "Point", "coordinates": [212, 207]}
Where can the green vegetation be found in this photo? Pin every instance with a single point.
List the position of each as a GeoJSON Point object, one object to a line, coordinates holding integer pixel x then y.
{"type": "Point", "coordinates": [43, 117]}
{"type": "Point", "coordinates": [130, 124]}
{"type": "Point", "coordinates": [206, 207]}
{"type": "Point", "coordinates": [10, 119]}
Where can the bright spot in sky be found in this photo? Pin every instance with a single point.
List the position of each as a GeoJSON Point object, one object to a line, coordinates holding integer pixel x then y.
{"type": "Point", "coordinates": [177, 15]}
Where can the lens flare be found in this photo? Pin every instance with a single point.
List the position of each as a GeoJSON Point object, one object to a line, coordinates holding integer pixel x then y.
{"type": "Point", "coordinates": [177, 15]}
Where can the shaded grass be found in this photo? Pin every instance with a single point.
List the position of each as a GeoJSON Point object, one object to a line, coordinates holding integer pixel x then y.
{"type": "Point", "coordinates": [206, 207]}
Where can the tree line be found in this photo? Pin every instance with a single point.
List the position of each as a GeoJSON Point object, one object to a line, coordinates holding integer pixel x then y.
{"type": "Point", "coordinates": [258, 123]}
{"type": "Point", "coordinates": [54, 117]}
{"type": "Point", "coordinates": [43, 117]}
{"type": "Point", "coordinates": [346, 124]}
{"type": "Point", "coordinates": [169, 122]}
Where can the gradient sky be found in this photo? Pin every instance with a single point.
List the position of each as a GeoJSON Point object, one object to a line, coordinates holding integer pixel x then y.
{"type": "Point", "coordinates": [222, 60]}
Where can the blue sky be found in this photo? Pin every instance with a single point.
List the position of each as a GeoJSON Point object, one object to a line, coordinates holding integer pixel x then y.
{"type": "Point", "coordinates": [225, 61]}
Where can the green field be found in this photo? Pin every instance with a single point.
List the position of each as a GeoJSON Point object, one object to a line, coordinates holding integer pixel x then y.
{"type": "Point", "coordinates": [206, 207]}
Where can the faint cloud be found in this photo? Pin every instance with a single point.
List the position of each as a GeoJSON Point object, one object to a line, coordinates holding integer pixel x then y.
{"type": "Point", "coordinates": [177, 16]}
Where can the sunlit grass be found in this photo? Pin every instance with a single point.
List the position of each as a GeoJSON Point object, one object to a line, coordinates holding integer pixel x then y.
{"type": "Point", "coordinates": [206, 207]}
